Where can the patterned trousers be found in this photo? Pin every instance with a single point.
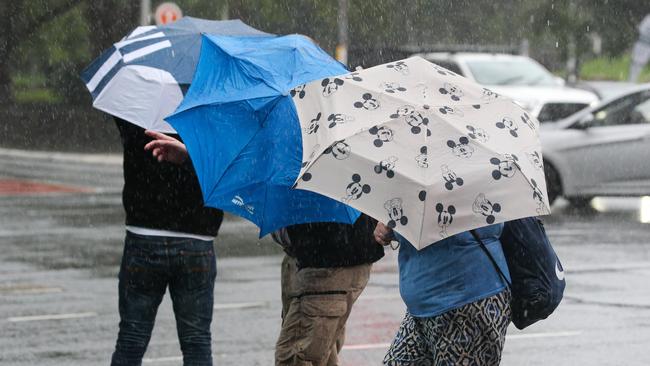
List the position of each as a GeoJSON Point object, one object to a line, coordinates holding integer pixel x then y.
{"type": "Point", "coordinates": [472, 335]}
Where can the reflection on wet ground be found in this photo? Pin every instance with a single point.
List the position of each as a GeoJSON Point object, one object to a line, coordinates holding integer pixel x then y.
{"type": "Point", "coordinates": [610, 210]}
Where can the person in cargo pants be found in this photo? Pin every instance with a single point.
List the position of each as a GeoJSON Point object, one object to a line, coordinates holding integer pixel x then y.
{"type": "Point", "coordinates": [325, 269]}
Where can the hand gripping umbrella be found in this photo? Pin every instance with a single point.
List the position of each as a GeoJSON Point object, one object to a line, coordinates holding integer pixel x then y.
{"type": "Point", "coordinates": [142, 78]}
{"type": "Point", "coordinates": [420, 148]}
{"type": "Point", "coordinates": [241, 129]}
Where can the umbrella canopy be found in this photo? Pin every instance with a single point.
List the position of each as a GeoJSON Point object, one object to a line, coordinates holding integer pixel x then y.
{"type": "Point", "coordinates": [420, 148]}
{"type": "Point", "coordinates": [241, 129]}
{"type": "Point", "coordinates": [142, 78]}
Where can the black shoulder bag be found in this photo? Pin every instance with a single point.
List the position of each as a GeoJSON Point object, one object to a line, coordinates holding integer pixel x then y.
{"type": "Point", "coordinates": [537, 275]}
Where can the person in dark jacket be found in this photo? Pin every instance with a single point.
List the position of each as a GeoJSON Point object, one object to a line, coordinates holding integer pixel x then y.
{"type": "Point", "coordinates": [326, 268]}
{"type": "Point", "coordinates": [169, 243]}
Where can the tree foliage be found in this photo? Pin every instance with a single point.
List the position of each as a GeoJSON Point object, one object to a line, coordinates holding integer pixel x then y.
{"type": "Point", "coordinates": [21, 20]}
{"type": "Point", "coordinates": [56, 38]}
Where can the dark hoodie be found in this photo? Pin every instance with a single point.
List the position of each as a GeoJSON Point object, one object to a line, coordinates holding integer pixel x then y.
{"type": "Point", "coordinates": [162, 196]}
{"type": "Point", "coordinates": [319, 245]}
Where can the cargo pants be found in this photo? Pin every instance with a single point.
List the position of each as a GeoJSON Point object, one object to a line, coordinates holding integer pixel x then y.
{"type": "Point", "coordinates": [316, 303]}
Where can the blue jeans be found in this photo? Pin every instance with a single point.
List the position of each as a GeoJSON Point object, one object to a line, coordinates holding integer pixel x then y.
{"type": "Point", "coordinates": [150, 264]}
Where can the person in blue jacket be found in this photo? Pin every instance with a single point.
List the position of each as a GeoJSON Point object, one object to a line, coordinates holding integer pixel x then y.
{"type": "Point", "coordinates": [458, 305]}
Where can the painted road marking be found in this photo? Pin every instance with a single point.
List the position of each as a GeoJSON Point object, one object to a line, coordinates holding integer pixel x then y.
{"type": "Point", "coordinates": [380, 297]}
{"type": "Point", "coordinates": [109, 159]}
{"type": "Point", "coordinates": [358, 347]}
{"type": "Point", "coordinates": [14, 187]}
{"type": "Point", "coordinates": [162, 359]}
{"type": "Point", "coordinates": [544, 335]}
{"type": "Point", "coordinates": [50, 317]}
{"type": "Point", "coordinates": [606, 267]}
{"type": "Point", "coordinates": [29, 289]}
{"type": "Point", "coordinates": [608, 303]}
{"type": "Point", "coordinates": [361, 347]}
{"type": "Point", "coordinates": [240, 305]}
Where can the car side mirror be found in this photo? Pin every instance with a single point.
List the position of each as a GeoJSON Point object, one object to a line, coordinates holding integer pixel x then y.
{"type": "Point", "coordinates": [584, 122]}
{"type": "Point", "coordinates": [559, 81]}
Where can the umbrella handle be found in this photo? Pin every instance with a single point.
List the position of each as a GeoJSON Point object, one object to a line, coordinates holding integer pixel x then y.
{"type": "Point", "coordinates": [394, 244]}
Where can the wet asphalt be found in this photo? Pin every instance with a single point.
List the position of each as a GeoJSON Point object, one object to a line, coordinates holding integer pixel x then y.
{"type": "Point", "coordinates": [60, 251]}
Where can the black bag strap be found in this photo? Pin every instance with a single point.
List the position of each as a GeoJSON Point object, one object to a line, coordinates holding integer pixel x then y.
{"type": "Point", "coordinates": [494, 262]}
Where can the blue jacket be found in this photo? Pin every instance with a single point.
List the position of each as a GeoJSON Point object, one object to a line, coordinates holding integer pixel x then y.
{"type": "Point", "coordinates": [450, 273]}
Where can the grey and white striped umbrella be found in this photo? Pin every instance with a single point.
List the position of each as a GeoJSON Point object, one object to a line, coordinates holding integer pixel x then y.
{"type": "Point", "coordinates": [420, 148]}
{"type": "Point", "coordinates": [143, 77]}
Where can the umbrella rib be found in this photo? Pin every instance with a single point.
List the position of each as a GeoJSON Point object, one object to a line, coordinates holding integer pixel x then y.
{"type": "Point", "coordinates": [364, 88]}
{"type": "Point", "coordinates": [275, 103]}
{"type": "Point", "coordinates": [162, 90]}
{"type": "Point", "coordinates": [486, 147]}
{"type": "Point", "coordinates": [262, 221]}
{"type": "Point", "coordinates": [368, 159]}
{"type": "Point", "coordinates": [453, 125]}
{"type": "Point", "coordinates": [182, 57]}
{"type": "Point", "coordinates": [231, 163]}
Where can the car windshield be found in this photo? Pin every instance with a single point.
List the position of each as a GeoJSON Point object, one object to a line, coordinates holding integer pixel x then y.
{"type": "Point", "coordinates": [632, 109]}
{"type": "Point", "coordinates": [518, 71]}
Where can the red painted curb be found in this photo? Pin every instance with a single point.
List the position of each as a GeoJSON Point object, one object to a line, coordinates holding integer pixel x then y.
{"type": "Point", "coordinates": [16, 187]}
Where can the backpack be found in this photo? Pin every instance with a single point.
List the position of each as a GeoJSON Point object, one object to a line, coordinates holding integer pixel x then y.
{"type": "Point", "coordinates": [537, 275]}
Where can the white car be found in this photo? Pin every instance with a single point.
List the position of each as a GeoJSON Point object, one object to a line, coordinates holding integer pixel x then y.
{"type": "Point", "coordinates": [601, 151]}
{"type": "Point", "coordinates": [521, 78]}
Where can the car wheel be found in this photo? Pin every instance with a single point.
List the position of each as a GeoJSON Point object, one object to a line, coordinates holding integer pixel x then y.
{"type": "Point", "coordinates": [553, 183]}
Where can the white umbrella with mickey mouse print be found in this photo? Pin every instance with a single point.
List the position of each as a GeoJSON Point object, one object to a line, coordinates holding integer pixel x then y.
{"type": "Point", "coordinates": [420, 148]}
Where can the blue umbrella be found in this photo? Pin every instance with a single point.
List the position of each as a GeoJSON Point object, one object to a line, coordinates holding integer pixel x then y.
{"type": "Point", "coordinates": [238, 119]}
{"type": "Point", "coordinates": [142, 78]}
